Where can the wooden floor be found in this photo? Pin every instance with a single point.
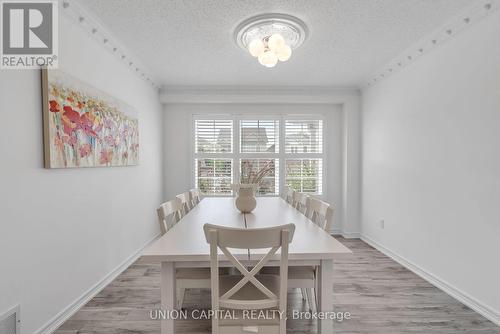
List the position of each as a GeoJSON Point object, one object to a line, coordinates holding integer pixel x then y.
{"type": "Point", "coordinates": [382, 296]}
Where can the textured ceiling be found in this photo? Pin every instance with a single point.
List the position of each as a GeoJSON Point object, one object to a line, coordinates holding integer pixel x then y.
{"type": "Point", "coordinates": [190, 42]}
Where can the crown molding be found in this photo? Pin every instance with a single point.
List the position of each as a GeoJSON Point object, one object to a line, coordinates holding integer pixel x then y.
{"type": "Point", "coordinates": [98, 31]}
{"type": "Point", "coordinates": [258, 94]}
{"type": "Point", "coordinates": [468, 17]}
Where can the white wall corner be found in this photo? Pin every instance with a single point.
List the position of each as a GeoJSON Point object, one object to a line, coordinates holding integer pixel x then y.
{"type": "Point", "coordinates": [351, 166]}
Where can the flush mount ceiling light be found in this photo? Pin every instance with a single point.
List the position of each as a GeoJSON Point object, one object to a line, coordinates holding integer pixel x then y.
{"type": "Point", "coordinates": [270, 37]}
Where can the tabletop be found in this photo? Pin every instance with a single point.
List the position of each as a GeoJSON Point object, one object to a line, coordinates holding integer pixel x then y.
{"type": "Point", "coordinates": [185, 241]}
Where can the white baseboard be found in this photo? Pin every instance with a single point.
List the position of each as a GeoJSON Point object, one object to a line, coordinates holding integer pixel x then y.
{"type": "Point", "coordinates": [351, 235]}
{"type": "Point", "coordinates": [486, 311]}
{"type": "Point", "coordinates": [345, 234]}
{"type": "Point", "coordinates": [71, 309]}
{"type": "Point", "coordinates": [336, 231]}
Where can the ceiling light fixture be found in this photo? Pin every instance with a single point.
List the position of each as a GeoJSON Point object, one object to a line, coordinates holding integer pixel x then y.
{"type": "Point", "coordinates": [271, 37]}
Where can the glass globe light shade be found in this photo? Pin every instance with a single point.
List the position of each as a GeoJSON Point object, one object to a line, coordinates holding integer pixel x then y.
{"type": "Point", "coordinates": [284, 53]}
{"type": "Point", "coordinates": [268, 59]}
{"type": "Point", "coordinates": [256, 47]}
{"type": "Point", "coordinates": [276, 42]}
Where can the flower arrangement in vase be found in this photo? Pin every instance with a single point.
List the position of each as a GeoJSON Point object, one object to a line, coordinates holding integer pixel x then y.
{"type": "Point", "coordinates": [250, 180]}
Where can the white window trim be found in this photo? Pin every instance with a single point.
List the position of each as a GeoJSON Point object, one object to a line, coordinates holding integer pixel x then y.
{"type": "Point", "coordinates": [206, 155]}
{"type": "Point", "coordinates": [236, 156]}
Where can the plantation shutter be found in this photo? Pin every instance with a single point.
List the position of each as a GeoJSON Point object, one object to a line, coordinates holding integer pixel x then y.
{"type": "Point", "coordinates": [305, 175]}
{"type": "Point", "coordinates": [213, 136]}
{"type": "Point", "coordinates": [303, 136]}
{"type": "Point", "coordinates": [304, 155]}
{"type": "Point", "coordinates": [214, 176]}
{"type": "Point", "coordinates": [249, 171]}
{"type": "Point", "coordinates": [259, 136]}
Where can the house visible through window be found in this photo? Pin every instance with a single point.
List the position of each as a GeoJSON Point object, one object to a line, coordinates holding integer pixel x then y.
{"type": "Point", "coordinates": [258, 150]}
{"type": "Point", "coordinates": [304, 155]}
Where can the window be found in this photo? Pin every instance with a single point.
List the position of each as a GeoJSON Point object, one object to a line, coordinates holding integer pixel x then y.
{"type": "Point", "coordinates": [304, 175]}
{"type": "Point", "coordinates": [214, 176]}
{"type": "Point", "coordinates": [259, 136]}
{"type": "Point", "coordinates": [259, 152]}
{"type": "Point", "coordinates": [269, 182]}
{"type": "Point", "coordinates": [214, 136]}
{"type": "Point", "coordinates": [304, 155]}
{"type": "Point", "coordinates": [233, 149]}
{"type": "Point", "coordinates": [304, 136]}
{"type": "Point", "coordinates": [213, 163]}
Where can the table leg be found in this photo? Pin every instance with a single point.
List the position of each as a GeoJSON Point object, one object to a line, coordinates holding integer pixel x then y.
{"type": "Point", "coordinates": [326, 295]}
{"type": "Point", "coordinates": [168, 298]}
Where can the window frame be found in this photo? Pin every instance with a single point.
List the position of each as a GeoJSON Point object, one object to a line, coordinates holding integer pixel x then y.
{"type": "Point", "coordinates": [210, 155]}
{"type": "Point", "coordinates": [291, 156]}
{"type": "Point", "coordinates": [236, 156]}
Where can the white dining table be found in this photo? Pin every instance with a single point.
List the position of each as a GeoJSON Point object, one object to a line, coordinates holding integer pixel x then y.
{"type": "Point", "coordinates": [184, 246]}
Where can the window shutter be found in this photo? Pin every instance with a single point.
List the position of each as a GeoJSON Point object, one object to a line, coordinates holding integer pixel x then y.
{"type": "Point", "coordinates": [213, 136]}
{"type": "Point", "coordinates": [214, 176]}
{"type": "Point", "coordinates": [249, 173]}
{"type": "Point", "coordinates": [259, 136]}
{"type": "Point", "coordinates": [303, 136]}
{"type": "Point", "coordinates": [305, 175]}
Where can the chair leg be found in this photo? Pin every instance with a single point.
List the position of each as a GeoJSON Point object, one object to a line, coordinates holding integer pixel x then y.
{"type": "Point", "coordinates": [215, 325]}
{"type": "Point", "coordinates": [316, 300]}
{"type": "Point", "coordinates": [180, 297]}
{"type": "Point", "coordinates": [316, 288]}
{"type": "Point", "coordinates": [282, 326]}
{"type": "Point", "coordinates": [311, 300]}
{"type": "Point", "coordinates": [304, 294]}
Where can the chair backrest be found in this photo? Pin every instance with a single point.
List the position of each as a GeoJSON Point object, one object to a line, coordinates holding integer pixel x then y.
{"type": "Point", "coordinates": [186, 202]}
{"type": "Point", "coordinates": [300, 201]}
{"type": "Point", "coordinates": [195, 196]}
{"type": "Point", "coordinates": [329, 219]}
{"type": "Point", "coordinates": [169, 214]}
{"type": "Point", "coordinates": [317, 211]}
{"type": "Point", "coordinates": [221, 237]}
{"type": "Point", "coordinates": [288, 195]}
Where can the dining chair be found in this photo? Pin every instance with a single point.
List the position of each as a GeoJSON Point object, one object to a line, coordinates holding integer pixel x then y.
{"type": "Point", "coordinates": [186, 202]}
{"type": "Point", "coordinates": [169, 214]}
{"type": "Point", "coordinates": [316, 211]}
{"type": "Point", "coordinates": [328, 219]}
{"type": "Point", "coordinates": [250, 290]}
{"type": "Point", "coordinates": [300, 201]}
{"type": "Point", "coordinates": [195, 197]}
{"type": "Point", "coordinates": [305, 277]}
{"type": "Point", "coordinates": [288, 195]}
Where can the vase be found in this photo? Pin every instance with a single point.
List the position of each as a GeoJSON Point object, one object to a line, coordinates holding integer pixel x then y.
{"type": "Point", "coordinates": [245, 197]}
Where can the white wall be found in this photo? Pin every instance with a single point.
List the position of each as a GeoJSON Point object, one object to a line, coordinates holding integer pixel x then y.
{"type": "Point", "coordinates": [431, 164]}
{"type": "Point", "coordinates": [178, 139]}
{"type": "Point", "coordinates": [62, 231]}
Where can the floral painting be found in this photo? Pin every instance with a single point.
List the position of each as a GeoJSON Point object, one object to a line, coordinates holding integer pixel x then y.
{"type": "Point", "coordinates": [84, 127]}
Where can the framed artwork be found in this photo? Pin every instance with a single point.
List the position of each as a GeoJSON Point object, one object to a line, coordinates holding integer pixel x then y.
{"type": "Point", "coordinates": [85, 127]}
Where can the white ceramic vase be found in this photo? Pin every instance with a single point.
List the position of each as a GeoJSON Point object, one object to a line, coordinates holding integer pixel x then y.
{"type": "Point", "coordinates": [245, 197]}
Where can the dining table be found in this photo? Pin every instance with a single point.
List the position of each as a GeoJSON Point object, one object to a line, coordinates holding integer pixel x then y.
{"type": "Point", "coordinates": [185, 246]}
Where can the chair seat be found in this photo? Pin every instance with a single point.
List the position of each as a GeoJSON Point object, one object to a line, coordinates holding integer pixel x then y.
{"type": "Point", "coordinates": [192, 273]}
{"type": "Point", "coordinates": [197, 273]}
{"type": "Point", "coordinates": [299, 272]}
